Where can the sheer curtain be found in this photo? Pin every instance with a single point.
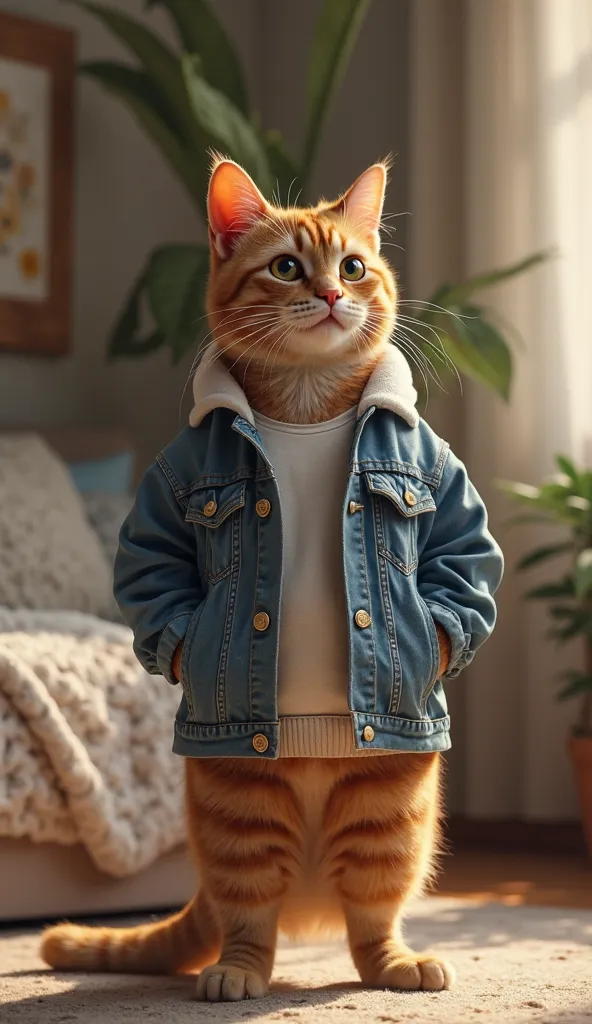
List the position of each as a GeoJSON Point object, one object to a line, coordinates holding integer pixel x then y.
{"type": "Point", "coordinates": [511, 153]}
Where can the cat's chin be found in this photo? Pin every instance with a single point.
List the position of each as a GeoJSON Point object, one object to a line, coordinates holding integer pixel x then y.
{"type": "Point", "coordinates": [324, 340]}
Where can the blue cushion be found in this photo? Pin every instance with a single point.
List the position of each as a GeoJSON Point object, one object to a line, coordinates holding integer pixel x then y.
{"type": "Point", "coordinates": [112, 475]}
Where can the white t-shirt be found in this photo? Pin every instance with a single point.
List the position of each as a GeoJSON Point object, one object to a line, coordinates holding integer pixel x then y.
{"type": "Point", "coordinates": [312, 464]}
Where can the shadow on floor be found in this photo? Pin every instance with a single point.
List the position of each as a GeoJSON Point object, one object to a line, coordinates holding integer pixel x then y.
{"type": "Point", "coordinates": [494, 924]}
{"type": "Point", "coordinates": [161, 999]}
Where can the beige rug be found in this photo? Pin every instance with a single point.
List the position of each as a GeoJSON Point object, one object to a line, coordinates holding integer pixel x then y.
{"type": "Point", "coordinates": [514, 964]}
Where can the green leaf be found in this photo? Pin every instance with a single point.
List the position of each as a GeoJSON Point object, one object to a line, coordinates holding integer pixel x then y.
{"type": "Point", "coordinates": [583, 573]}
{"type": "Point", "coordinates": [526, 493]}
{"type": "Point", "coordinates": [136, 90]}
{"type": "Point", "coordinates": [126, 339]}
{"type": "Point", "coordinates": [283, 170]}
{"type": "Point", "coordinates": [176, 282]}
{"type": "Point", "coordinates": [566, 466]}
{"type": "Point", "coordinates": [457, 295]}
{"type": "Point", "coordinates": [333, 41]}
{"type": "Point", "coordinates": [553, 502]}
{"type": "Point", "coordinates": [565, 611]}
{"type": "Point", "coordinates": [226, 125]}
{"type": "Point", "coordinates": [542, 553]}
{"type": "Point", "coordinates": [520, 520]}
{"type": "Point", "coordinates": [145, 345]}
{"type": "Point", "coordinates": [163, 67]}
{"type": "Point", "coordinates": [200, 32]}
{"type": "Point", "coordinates": [479, 350]}
{"type": "Point", "coordinates": [159, 62]}
{"type": "Point", "coordinates": [577, 622]}
{"type": "Point", "coordinates": [578, 683]}
{"type": "Point", "coordinates": [565, 588]}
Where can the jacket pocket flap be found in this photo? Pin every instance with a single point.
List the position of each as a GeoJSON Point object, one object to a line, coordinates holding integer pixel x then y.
{"type": "Point", "coordinates": [409, 495]}
{"type": "Point", "coordinates": [210, 506]}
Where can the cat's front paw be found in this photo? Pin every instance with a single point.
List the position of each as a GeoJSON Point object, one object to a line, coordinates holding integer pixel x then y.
{"type": "Point", "coordinates": [223, 983]}
{"type": "Point", "coordinates": [412, 973]}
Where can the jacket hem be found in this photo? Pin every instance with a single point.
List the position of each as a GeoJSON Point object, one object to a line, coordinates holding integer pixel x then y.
{"type": "Point", "coordinates": [319, 736]}
{"type": "Point", "coordinates": [344, 736]}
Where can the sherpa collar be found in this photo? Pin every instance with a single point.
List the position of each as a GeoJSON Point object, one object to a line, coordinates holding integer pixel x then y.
{"type": "Point", "coordinates": [390, 387]}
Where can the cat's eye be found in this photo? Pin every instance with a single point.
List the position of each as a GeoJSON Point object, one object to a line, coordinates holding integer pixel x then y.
{"type": "Point", "coordinates": [352, 269]}
{"type": "Point", "coordinates": [286, 268]}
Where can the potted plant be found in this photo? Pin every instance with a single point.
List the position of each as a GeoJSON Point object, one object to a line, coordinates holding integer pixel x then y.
{"type": "Point", "coordinates": [566, 501]}
{"type": "Point", "coordinates": [194, 99]}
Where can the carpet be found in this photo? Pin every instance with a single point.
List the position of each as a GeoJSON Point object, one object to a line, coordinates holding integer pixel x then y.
{"type": "Point", "coordinates": [514, 963]}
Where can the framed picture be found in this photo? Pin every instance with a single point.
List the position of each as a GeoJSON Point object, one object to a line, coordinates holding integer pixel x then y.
{"type": "Point", "coordinates": [37, 68]}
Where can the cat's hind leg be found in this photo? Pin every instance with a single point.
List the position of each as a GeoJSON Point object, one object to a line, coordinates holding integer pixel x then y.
{"type": "Point", "coordinates": [381, 831]}
{"type": "Point", "coordinates": [247, 830]}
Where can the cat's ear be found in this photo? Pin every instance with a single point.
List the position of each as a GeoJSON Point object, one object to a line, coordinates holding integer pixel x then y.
{"type": "Point", "coordinates": [234, 204]}
{"type": "Point", "coordinates": [362, 203]}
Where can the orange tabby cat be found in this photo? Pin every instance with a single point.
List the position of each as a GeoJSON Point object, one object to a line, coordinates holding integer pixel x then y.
{"type": "Point", "coordinates": [293, 844]}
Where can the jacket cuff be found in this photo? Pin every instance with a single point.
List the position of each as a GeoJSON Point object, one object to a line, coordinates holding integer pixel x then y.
{"type": "Point", "coordinates": [460, 652]}
{"type": "Point", "coordinates": [170, 638]}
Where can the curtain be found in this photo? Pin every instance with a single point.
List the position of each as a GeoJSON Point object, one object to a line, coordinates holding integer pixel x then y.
{"type": "Point", "coordinates": [502, 146]}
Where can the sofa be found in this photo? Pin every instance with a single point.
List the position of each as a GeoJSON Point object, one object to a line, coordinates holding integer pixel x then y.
{"type": "Point", "coordinates": [76, 838]}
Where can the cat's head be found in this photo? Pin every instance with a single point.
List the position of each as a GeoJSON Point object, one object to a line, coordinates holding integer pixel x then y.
{"type": "Point", "coordinates": [298, 286]}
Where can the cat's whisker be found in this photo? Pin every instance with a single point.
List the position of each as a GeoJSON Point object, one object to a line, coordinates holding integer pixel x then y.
{"type": "Point", "coordinates": [428, 361]}
{"type": "Point", "coordinates": [257, 343]}
{"type": "Point", "coordinates": [392, 216]}
{"type": "Point", "coordinates": [402, 342]}
{"type": "Point", "coordinates": [419, 359]}
{"type": "Point", "coordinates": [261, 320]}
{"type": "Point", "coordinates": [260, 327]}
{"type": "Point", "coordinates": [395, 246]}
{"type": "Point", "coordinates": [266, 323]}
{"type": "Point", "coordinates": [290, 189]}
{"type": "Point", "coordinates": [277, 348]}
{"type": "Point", "coordinates": [433, 305]}
{"type": "Point", "coordinates": [438, 349]}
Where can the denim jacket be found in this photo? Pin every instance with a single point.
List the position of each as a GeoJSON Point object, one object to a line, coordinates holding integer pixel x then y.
{"type": "Point", "coordinates": [199, 563]}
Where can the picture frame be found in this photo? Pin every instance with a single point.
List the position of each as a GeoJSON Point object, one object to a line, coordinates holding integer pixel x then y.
{"type": "Point", "coordinates": [37, 76]}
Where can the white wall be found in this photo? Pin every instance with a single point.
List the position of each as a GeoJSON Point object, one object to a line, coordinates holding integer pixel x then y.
{"type": "Point", "coordinates": [127, 200]}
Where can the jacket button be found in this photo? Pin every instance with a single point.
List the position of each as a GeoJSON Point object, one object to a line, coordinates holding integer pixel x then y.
{"type": "Point", "coordinates": [210, 508]}
{"type": "Point", "coordinates": [362, 619]}
{"type": "Point", "coordinates": [261, 621]}
{"type": "Point", "coordinates": [260, 743]}
{"type": "Point", "coordinates": [368, 734]}
{"type": "Point", "coordinates": [263, 508]}
{"type": "Point", "coordinates": [410, 498]}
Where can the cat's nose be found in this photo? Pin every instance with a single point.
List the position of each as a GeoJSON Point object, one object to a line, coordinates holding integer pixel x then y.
{"type": "Point", "coordinates": [330, 295]}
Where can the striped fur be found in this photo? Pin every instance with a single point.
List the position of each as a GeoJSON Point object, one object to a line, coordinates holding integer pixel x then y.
{"type": "Point", "coordinates": [301, 846]}
{"type": "Point", "coordinates": [295, 845]}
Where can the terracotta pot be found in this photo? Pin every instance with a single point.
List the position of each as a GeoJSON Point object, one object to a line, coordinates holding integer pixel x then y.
{"type": "Point", "coordinates": [580, 748]}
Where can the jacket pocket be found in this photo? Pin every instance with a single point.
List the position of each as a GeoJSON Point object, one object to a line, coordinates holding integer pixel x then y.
{"type": "Point", "coordinates": [185, 659]}
{"type": "Point", "coordinates": [398, 501]}
{"type": "Point", "coordinates": [434, 650]}
{"type": "Point", "coordinates": [216, 511]}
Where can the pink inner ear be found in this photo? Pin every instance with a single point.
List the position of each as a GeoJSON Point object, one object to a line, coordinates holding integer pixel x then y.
{"type": "Point", "coordinates": [363, 201]}
{"type": "Point", "coordinates": [234, 203]}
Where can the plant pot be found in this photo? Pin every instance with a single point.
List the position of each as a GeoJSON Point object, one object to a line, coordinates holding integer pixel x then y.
{"type": "Point", "coordinates": [581, 754]}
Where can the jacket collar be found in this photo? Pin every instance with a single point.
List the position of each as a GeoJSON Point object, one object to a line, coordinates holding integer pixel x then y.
{"type": "Point", "coordinates": [390, 387]}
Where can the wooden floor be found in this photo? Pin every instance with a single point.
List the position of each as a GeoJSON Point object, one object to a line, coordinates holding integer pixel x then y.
{"type": "Point", "coordinates": [551, 879]}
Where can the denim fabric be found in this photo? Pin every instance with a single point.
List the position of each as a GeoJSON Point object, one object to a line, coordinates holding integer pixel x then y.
{"type": "Point", "coordinates": [196, 563]}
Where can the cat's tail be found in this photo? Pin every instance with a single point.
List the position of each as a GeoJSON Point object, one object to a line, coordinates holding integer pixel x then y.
{"type": "Point", "coordinates": [184, 941]}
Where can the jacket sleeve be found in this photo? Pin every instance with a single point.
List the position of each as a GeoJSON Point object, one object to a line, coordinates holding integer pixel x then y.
{"type": "Point", "coordinates": [157, 586]}
{"type": "Point", "coordinates": [460, 567]}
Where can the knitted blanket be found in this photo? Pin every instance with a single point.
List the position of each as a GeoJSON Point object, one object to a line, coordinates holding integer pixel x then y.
{"type": "Point", "coordinates": [85, 741]}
